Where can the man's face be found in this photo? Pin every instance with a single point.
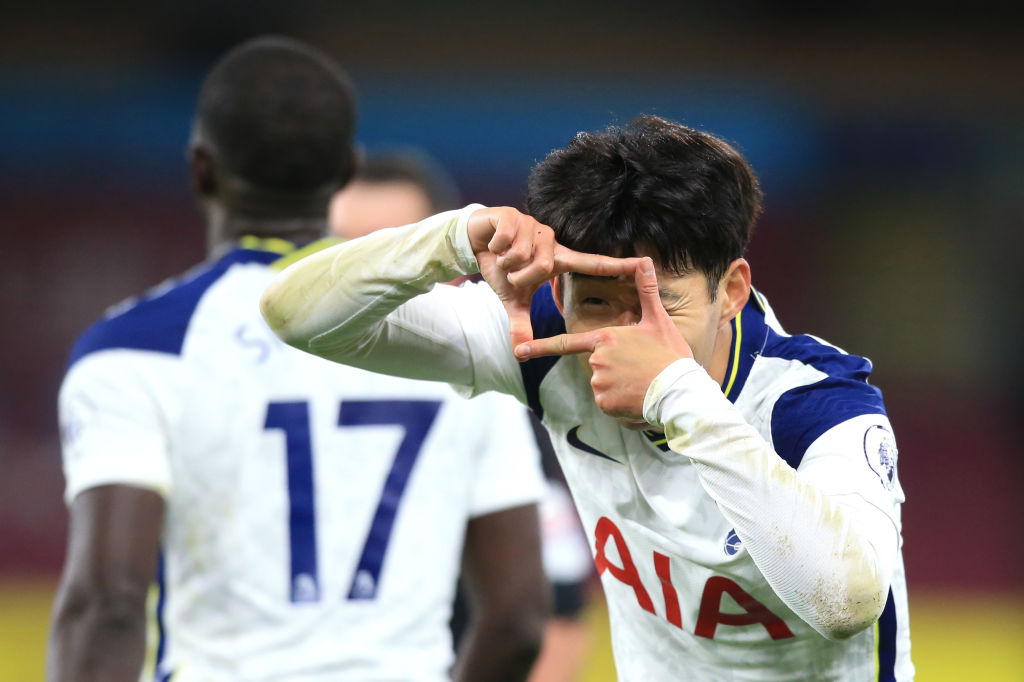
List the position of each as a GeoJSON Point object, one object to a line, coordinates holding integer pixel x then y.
{"type": "Point", "coordinates": [364, 207]}
{"type": "Point", "coordinates": [594, 302]}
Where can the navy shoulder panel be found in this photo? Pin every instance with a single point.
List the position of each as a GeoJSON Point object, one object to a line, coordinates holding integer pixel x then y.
{"type": "Point", "coordinates": [546, 321]}
{"type": "Point", "coordinates": [820, 355]}
{"type": "Point", "coordinates": [803, 413]}
{"type": "Point", "coordinates": [157, 320]}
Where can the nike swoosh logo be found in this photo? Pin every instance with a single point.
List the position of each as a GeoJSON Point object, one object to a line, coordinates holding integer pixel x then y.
{"type": "Point", "coordinates": [574, 440]}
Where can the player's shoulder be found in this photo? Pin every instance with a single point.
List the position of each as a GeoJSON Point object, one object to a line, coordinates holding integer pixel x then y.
{"type": "Point", "coordinates": [814, 352]}
{"type": "Point", "coordinates": [158, 319]}
{"type": "Point", "coordinates": [762, 346]}
{"type": "Point", "coordinates": [769, 340]}
{"type": "Point", "coordinates": [807, 385]}
{"type": "Point", "coordinates": [155, 320]}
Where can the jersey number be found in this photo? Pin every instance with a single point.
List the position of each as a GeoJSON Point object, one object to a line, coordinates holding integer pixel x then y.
{"type": "Point", "coordinates": [415, 416]}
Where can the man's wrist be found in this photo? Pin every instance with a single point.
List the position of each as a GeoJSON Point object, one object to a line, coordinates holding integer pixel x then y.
{"type": "Point", "coordinates": [459, 239]}
{"type": "Point", "coordinates": [676, 375]}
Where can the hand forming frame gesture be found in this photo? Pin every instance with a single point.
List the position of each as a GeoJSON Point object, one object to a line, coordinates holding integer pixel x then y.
{"type": "Point", "coordinates": [517, 254]}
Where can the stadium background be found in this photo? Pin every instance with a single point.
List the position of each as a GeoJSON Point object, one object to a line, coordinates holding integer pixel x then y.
{"type": "Point", "coordinates": [889, 143]}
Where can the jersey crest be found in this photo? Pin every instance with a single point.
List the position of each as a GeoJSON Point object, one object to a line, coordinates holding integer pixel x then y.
{"type": "Point", "coordinates": [881, 452]}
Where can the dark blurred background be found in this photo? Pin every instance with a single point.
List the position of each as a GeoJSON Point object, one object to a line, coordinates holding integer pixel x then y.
{"type": "Point", "coordinates": [889, 143]}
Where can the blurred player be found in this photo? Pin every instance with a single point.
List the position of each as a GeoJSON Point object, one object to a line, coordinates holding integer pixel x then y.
{"type": "Point", "coordinates": [390, 188]}
{"type": "Point", "coordinates": [401, 187]}
{"type": "Point", "coordinates": [739, 483]}
{"type": "Point", "coordinates": [306, 520]}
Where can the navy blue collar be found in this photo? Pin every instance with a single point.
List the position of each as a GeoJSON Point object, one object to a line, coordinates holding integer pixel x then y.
{"type": "Point", "coordinates": [749, 333]}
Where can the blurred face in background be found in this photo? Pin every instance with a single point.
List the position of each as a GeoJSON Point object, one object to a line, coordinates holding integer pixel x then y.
{"type": "Point", "coordinates": [363, 207]}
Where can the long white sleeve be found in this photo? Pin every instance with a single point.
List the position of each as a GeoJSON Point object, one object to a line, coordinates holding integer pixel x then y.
{"type": "Point", "coordinates": [362, 303]}
{"type": "Point", "coordinates": [829, 558]}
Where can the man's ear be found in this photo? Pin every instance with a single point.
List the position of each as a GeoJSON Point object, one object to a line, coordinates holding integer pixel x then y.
{"type": "Point", "coordinates": [556, 293]}
{"type": "Point", "coordinates": [203, 171]}
{"type": "Point", "coordinates": [734, 289]}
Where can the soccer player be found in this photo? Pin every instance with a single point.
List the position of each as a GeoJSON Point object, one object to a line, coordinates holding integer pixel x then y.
{"type": "Point", "coordinates": [739, 483]}
{"type": "Point", "coordinates": [305, 520]}
{"type": "Point", "coordinates": [400, 187]}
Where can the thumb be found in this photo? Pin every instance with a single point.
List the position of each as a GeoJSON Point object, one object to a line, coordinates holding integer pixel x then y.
{"type": "Point", "coordinates": [651, 308]}
{"type": "Point", "coordinates": [520, 325]}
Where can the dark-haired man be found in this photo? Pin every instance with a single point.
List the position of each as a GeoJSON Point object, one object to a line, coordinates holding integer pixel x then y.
{"type": "Point", "coordinates": [310, 518]}
{"type": "Point", "coordinates": [739, 483]}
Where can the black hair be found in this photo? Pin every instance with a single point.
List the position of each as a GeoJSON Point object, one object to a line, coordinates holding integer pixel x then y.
{"type": "Point", "coordinates": [280, 115]}
{"type": "Point", "coordinates": [414, 166]}
{"type": "Point", "coordinates": [683, 195]}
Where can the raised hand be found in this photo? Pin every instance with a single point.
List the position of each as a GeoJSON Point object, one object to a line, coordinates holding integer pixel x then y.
{"type": "Point", "coordinates": [516, 255]}
{"type": "Point", "coordinates": [624, 360]}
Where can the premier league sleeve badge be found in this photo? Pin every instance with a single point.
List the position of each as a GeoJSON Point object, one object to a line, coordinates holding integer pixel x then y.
{"type": "Point", "coordinates": [880, 451]}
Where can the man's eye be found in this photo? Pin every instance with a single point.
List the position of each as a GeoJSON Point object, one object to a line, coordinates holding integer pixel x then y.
{"type": "Point", "coordinates": [594, 301]}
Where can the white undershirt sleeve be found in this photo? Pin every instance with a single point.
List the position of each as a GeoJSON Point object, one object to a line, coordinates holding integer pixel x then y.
{"type": "Point", "coordinates": [372, 303]}
{"type": "Point", "coordinates": [829, 557]}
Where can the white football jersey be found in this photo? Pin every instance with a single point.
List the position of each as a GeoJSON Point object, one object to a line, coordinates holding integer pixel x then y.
{"type": "Point", "coordinates": [315, 513]}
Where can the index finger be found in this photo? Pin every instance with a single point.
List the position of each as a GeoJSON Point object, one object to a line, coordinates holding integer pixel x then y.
{"type": "Point", "coordinates": [567, 260]}
{"type": "Point", "coordinates": [562, 344]}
